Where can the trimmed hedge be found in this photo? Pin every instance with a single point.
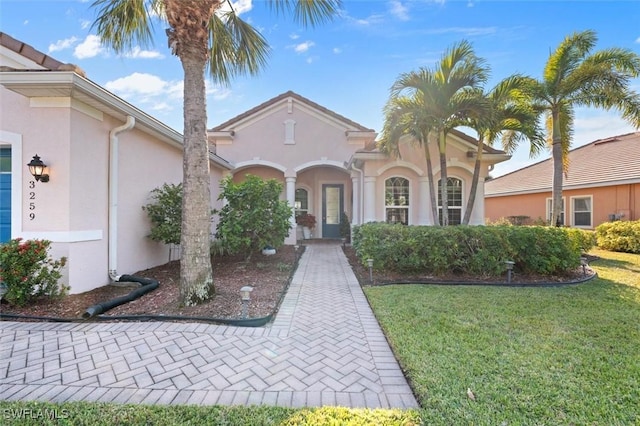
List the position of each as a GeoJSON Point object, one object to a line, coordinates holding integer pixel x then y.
{"type": "Point", "coordinates": [476, 250]}
{"type": "Point", "coordinates": [623, 236]}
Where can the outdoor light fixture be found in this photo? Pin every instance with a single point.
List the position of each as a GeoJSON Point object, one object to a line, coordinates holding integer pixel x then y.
{"type": "Point", "coordinates": [245, 296]}
{"type": "Point", "coordinates": [37, 169]}
{"type": "Point", "coordinates": [509, 264]}
{"type": "Point", "coordinates": [583, 263]}
{"type": "Point", "coordinates": [370, 264]}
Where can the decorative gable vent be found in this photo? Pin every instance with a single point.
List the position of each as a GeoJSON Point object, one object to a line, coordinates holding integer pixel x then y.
{"type": "Point", "coordinates": [289, 132]}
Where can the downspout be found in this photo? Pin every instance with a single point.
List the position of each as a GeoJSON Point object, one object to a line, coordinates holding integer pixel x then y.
{"type": "Point", "coordinates": [113, 195]}
{"type": "Point", "coordinates": [361, 201]}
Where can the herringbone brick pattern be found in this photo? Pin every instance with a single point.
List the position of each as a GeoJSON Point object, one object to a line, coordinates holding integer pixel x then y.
{"type": "Point", "coordinates": [324, 348]}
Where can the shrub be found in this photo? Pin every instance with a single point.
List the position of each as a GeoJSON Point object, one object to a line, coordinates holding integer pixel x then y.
{"type": "Point", "coordinates": [254, 216]}
{"type": "Point", "coordinates": [165, 213]}
{"type": "Point", "coordinates": [475, 250]}
{"type": "Point", "coordinates": [29, 272]}
{"type": "Point", "coordinates": [623, 236]}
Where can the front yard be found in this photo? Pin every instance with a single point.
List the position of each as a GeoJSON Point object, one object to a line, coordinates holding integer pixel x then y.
{"type": "Point", "coordinates": [563, 355]}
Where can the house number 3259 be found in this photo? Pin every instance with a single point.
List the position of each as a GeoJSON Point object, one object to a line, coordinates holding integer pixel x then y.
{"type": "Point", "coordinates": [32, 200]}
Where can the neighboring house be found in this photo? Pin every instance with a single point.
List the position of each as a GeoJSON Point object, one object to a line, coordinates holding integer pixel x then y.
{"type": "Point", "coordinates": [104, 156]}
{"type": "Point", "coordinates": [329, 164]}
{"type": "Point", "coordinates": [602, 184]}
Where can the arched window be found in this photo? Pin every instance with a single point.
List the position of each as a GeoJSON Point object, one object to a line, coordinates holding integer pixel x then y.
{"type": "Point", "coordinates": [302, 202]}
{"type": "Point", "coordinates": [396, 197]}
{"type": "Point", "coordinates": [454, 200]}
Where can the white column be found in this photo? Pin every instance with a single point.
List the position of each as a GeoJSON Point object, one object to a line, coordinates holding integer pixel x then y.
{"type": "Point", "coordinates": [477, 215]}
{"type": "Point", "coordinates": [369, 199]}
{"type": "Point", "coordinates": [424, 202]}
{"type": "Point", "coordinates": [355, 204]}
{"type": "Point", "coordinates": [291, 199]}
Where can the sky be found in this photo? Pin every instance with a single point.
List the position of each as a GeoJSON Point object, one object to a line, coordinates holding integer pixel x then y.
{"type": "Point", "coordinates": [347, 65]}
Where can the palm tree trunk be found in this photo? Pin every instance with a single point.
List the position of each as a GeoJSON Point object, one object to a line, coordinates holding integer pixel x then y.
{"type": "Point", "coordinates": [196, 277]}
{"type": "Point", "coordinates": [432, 192]}
{"type": "Point", "coordinates": [442, 145]}
{"type": "Point", "coordinates": [556, 153]}
{"type": "Point", "coordinates": [474, 183]}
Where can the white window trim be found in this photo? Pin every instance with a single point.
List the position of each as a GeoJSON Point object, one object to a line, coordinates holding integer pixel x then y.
{"type": "Point", "coordinates": [406, 206]}
{"type": "Point", "coordinates": [309, 197]}
{"type": "Point", "coordinates": [590, 197]}
{"type": "Point", "coordinates": [462, 208]}
{"type": "Point", "coordinates": [548, 203]}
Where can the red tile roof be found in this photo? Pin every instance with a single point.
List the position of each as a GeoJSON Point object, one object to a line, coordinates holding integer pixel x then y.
{"type": "Point", "coordinates": [603, 162]}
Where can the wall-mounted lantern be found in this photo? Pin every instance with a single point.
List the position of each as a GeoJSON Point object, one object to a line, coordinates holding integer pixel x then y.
{"type": "Point", "coordinates": [37, 169]}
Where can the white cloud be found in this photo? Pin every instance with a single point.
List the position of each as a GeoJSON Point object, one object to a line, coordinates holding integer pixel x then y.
{"type": "Point", "coordinates": [399, 10]}
{"type": "Point", "coordinates": [89, 48]}
{"type": "Point", "coordinates": [303, 47]}
{"type": "Point", "coordinates": [84, 24]}
{"type": "Point", "coordinates": [240, 7]}
{"type": "Point", "coordinates": [62, 44]}
{"type": "Point", "coordinates": [137, 53]}
{"type": "Point", "coordinates": [337, 50]}
{"type": "Point", "coordinates": [638, 40]}
{"type": "Point", "coordinates": [294, 36]}
{"type": "Point", "coordinates": [138, 84]}
{"type": "Point", "coordinates": [25, 22]}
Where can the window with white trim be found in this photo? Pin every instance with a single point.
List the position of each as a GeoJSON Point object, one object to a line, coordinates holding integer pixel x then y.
{"type": "Point", "coordinates": [582, 210]}
{"type": "Point", "coordinates": [302, 202]}
{"type": "Point", "coordinates": [454, 200]}
{"type": "Point", "coordinates": [550, 211]}
{"type": "Point", "coordinates": [396, 197]}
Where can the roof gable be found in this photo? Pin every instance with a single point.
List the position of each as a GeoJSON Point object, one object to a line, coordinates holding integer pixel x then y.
{"type": "Point", "coordinates": [289, 99]}
{"type": "Point", "coordinates": [604, 162]}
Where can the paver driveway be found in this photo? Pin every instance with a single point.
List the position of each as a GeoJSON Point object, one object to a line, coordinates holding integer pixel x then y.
{"type": "Point", "coordinates": [324, 348]}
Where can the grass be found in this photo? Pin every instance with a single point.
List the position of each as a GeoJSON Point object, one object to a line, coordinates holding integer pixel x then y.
{"type": "Point", "coordinates": [539, 356]}
{"type": "Point", "coordinates": [97, 414]}
{"type": "Point", "coordinates": [564, 355]}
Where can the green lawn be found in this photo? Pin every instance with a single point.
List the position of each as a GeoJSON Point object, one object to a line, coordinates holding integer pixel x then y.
{"type": "Point", "coordinates": [564, 355]}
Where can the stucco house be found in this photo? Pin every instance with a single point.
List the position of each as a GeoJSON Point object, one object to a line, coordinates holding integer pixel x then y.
{"type": "Point", "coordinates": [104, 157]}
{"type": "Point", "coordinates": [602, 184]}
{"type": "Point", "coordinates": [330, 164]}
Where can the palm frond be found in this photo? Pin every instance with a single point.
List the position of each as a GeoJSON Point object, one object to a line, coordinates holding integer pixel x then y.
{"type": "Point", "coordinates": [123, 24]}
{"type": "Point", "coordinates": [308, 12]}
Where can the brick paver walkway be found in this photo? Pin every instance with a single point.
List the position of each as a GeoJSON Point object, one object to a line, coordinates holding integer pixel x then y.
{"type": "Point", "coordinates": [324, 348]}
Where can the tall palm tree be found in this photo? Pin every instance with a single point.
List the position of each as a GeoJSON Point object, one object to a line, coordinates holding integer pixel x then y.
{"type": "Point", "coordinates": [203, 37]}
{"type": "Point", "coordinates": [573, 76]}
{"type": "Point", "coordinates": [406, 116]}
{"type": "Point", "coordinates": [448, 92]}
{"type": "Point", "coordinates": [509, 117]}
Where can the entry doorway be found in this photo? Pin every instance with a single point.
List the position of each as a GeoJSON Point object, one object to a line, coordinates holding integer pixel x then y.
{"type": "Point", "coordinates": [332, 208]}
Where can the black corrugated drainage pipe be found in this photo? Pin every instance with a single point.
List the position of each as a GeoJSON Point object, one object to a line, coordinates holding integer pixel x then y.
{"type": "Point", "coordinates": [148, 285]}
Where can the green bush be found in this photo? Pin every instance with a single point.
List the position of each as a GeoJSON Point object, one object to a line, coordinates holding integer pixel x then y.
{"type": "Point", "coordinates": [622, 236]}
{"type": "Point", "coordinates": [254, 216]}
{"type": "Point", "coordinates": [29, 272]}
{"type": "Point", "coordinates": [165, 213]}
{"type": "Point", "coordinates": [475, 250]}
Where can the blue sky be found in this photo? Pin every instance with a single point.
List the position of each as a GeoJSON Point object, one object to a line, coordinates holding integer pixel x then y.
{"type": "Point", "coordinates": [347, 65]}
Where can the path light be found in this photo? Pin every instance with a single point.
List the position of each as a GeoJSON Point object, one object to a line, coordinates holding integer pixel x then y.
{"type": "Point", "coordinates": [509, 264]}
{"type": "Point", "coordinates": [3, 290]}
{"type": "Point", "coordinates": [37, 169]}
{"type": "Point", "coordinates": [245, 296]}
{"type": "Point", "coordinates": [583, 263]}
{"type": "Point", "coordinates": [370, 264]}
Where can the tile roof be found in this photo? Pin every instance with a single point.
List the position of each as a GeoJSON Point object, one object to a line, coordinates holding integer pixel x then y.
{"type": "Point", "coordinates": [29, 52]}
{"type": "Point", "coordinates": [603, 162]}
{"type": "Point", "coordinates": [226, 124]}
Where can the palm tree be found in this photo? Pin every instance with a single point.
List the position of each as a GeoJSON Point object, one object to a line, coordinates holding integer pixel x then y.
{"type": "Point", "coordinates": [406, 116]}
{"type": "Point", "coordinates": [448, 92]}
{"type": "Point", "coordinates": [573, 76]}
{"type": "Point", "coordinates": [507, 116]}
{"type": "Point", "coordinates": [202, 36]}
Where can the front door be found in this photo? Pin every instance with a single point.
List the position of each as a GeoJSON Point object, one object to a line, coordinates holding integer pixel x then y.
{"type": "Point", "coordinates": [332, 207]}
{"type": "Point", "coordinates": [5, 195]}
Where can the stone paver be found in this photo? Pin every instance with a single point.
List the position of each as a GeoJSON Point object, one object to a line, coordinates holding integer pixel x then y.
{"type": "Point", "coordinates": [323, 348]}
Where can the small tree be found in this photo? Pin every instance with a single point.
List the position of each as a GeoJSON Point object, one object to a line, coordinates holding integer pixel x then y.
{"type": "Point", "coordinates": [165, 213]}
{"type": "Point", "coordinates": [254, 216]}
